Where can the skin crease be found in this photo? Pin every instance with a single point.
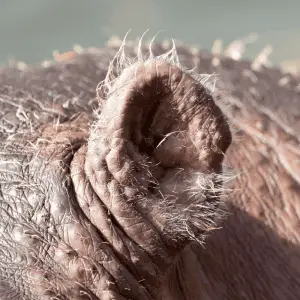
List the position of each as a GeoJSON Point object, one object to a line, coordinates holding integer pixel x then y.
{"type": "Point", "coordinates": [84, 248]}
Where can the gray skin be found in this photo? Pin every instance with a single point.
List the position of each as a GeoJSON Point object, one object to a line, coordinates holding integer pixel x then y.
{"type": "Point", "coordinates": [83, 184]}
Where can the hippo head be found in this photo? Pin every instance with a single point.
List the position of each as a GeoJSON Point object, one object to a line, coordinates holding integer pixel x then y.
{"type": "Point", "coordinates": [100, 205]}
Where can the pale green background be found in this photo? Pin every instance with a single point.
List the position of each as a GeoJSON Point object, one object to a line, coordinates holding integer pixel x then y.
{"type": "Point", "coordinates": [31, 29]}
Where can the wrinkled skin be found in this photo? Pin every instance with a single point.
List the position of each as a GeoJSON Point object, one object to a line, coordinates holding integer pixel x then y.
{"type": "Point", "coordinates": [79, 219]}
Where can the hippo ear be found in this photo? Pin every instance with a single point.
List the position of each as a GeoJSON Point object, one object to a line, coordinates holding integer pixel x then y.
{"type": "Point", "coordinates": [165, 112]}
{"type": "Point", "coordinates": [158, 147]}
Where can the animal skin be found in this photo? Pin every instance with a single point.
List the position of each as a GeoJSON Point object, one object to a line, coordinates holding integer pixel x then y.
{"type": "Point", "coordinates": [157, 183]}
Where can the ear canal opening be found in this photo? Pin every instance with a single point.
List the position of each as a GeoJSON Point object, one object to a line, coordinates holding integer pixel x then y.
{"type": "Point", "coordinates": [147, 144]}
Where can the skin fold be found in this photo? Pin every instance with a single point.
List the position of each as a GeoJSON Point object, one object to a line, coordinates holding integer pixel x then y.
{"type": "Point", "coordinates": [122, 190]}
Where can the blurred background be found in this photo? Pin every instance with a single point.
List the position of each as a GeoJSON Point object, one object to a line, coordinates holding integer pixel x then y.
{"type": "Point", "coordinates": [31, 29]}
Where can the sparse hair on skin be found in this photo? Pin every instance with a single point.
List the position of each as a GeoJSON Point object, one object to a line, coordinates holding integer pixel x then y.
{"type": "Point", "coordinates": [188, 202]}
{"type": "Point", "coordinates": [121, 61]}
